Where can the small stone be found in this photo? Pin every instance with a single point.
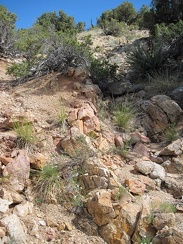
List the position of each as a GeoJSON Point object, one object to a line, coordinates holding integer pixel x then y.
{"type": "Point", "coordinates": [68, 226]}
{"type": "Point", "coordinates": [2, 232]}
{"type": "Point", "coordinates": [61, 227]}
{"type": "Point", "coordinates": [42, 223]}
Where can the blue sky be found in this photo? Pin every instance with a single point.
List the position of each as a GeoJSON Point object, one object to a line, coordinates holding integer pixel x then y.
{"type": "Point", "coordinates": [82, 10]}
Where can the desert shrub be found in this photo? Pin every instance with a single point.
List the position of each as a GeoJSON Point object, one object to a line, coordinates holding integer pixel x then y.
{"type": "Point", "coordinates": [125, 12]}
{"type": "Point", "coordinates": [166, 33]}
{"type": "Point", "coordinates": [162, 83]}
{"type": "Point", "coordinates": [112, 27]}
{"type": "Point", "coordinates": [7, 28]}
{"type": "Point", "coordinates": [124, 114]}
{"type": "Point", "coordinates": [48, 186]}
{"type": "Point", "coordinates": [102, 72]}
{"type": "Point", "coordinates": [146, 61]}
{"type": "Point", "coordinates": [25, 132]}
{"type": "Point", "coordinates": [19, 70]}
{"type": "Point", "coordinates": [171, 133]}
{"type": "Point", "coordinates": [54, 52]}
{"type": "Point", "coordinates": [167, 207]}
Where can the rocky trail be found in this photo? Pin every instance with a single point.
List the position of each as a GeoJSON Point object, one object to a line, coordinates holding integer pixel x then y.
{"type": "Point", "coordinates": [108, 195]}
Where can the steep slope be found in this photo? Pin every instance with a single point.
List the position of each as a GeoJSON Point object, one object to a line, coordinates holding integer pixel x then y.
{"type": "Point", "coordinates": [115, 186]}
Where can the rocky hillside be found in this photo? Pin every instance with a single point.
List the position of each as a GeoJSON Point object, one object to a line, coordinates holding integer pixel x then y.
{"type": "Point", "coordinates": [69, 174]}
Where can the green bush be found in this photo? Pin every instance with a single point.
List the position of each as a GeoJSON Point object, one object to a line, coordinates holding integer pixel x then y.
{"type": "Point", "coordinates": [171, 133]}
{"type": "Point", "coordinates": [102, 72]}
{"type": "Point", "coordinates": [112, 27]}
{"type": "Point", "coordinates": [19, 70]}
{"type": "Point", "coordinates": [166, 33]}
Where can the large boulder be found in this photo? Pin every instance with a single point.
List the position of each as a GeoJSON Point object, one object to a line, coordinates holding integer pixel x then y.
{"type": "Point", "coordinates": [161, 111]}
{"type": "Point", "coordinates": [177, 96]}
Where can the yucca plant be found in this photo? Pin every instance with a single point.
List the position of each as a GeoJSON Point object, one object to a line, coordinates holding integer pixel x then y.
{"type": "Point", "coordinates": [146, 61]}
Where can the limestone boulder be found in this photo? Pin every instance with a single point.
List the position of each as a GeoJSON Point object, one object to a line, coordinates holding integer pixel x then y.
{"type": "Point", "coordinates": [23, 209]}
{"type": "Point", "coordinates": [155, 171]}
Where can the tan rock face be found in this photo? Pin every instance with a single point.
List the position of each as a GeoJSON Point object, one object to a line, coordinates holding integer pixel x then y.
{"type": "Point", "coordinates": [100, 207]}
{"type": "Point", "coordinates": [122, 227]}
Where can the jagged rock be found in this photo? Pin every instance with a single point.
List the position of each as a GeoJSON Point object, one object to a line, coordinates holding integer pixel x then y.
{"type": "Point", "coordinates": [118, 141]}
{"type": "Point", "coordinates": [163, 219]}
{"type": "Point", "coordinates": [120, 229]}
{"type": "Point", "coordinates": [11, 195]}
{"type": "Point", "coordinates": [19, 171]}
{"type": "Point", "coordinates": [84, 118]}
{"type": "Point", "coordinates": [37, 161]}
{"type": "Point", "coordinates": [15, 229]}
{"type": "Point", "coordinates": [141, 150]}
{"type": "Point", "coordinates": [174, 185]}
{"type": "Point", "coordinates": [143, 226]}
{"type": "Point", "coordinates": [136, 136]}
{"type": "Point", "coordinates": [173, 149]}
{"type": "Point", "coordinates": [175, 165]}
{"type": "Point", "coordinates": [150, 184]}
{"type": "Point", "coordinates": [5, 160]}
{"type": "Point", "coordinates": [100, 207]}
{"type": "Point", "coordinates": [155, 171]}
{"type": "Point", "coordinates": [23, 209]}
{"type": "Point", "coordinates": [135, 186]}
{"type": "Point", "coordinates": [177, 96]}
{"type": "Point", "coordinates": [77, 144]}
{"type": "Point", "coordinates": [171, 235]}
{"type": "Point", "coordinates": [160, 112]}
